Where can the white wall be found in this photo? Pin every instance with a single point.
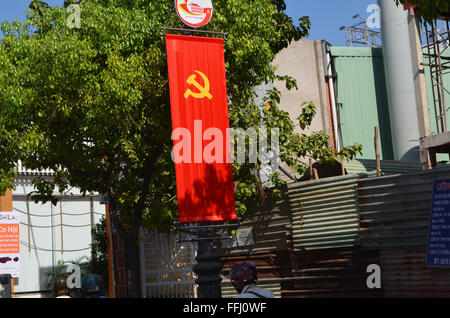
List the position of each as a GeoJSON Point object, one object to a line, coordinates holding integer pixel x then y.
{"type": "Point", "coordinates": [41, 245]}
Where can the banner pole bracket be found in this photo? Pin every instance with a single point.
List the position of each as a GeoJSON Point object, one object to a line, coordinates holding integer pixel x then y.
{"type": "Point", "coordinates": [225, 35]}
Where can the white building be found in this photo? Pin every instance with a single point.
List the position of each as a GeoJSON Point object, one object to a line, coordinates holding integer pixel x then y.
{"type": "Point", "coordinates": [50, 235]}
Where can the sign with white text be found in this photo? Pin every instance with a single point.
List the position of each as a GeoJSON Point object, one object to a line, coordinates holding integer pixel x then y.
{"type": "Point", "coordinates": [439, 232]}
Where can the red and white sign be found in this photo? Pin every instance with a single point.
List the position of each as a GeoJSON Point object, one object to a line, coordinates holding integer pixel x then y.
{"type": "Point", "coordinates": [194, 13]}
{"type": "Point", "coordinates": [9, 243]}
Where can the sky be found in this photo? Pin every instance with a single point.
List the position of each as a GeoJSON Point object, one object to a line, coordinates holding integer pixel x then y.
{"type": "Point", "coordinates": [327, 16]}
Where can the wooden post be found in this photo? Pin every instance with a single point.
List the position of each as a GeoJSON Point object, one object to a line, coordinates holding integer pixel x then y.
{"type": "Point", "coordinates": [316, 175]}
{"type": "Point", "coordinates": [111, 293]}
{"type": "Point", "coordinates": [377, 152]}
{"type": "Point", "coordinates": [311, 175]}
{"type": "Point", "coordinates": [433, 158]}
{"type": "Point", "coordinates": [6, 201]}
{"type": "Point", "coordinates": [342, 167]}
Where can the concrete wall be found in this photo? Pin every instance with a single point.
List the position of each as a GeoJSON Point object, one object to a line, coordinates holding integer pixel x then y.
{"type": "Point", "coordinates": [303, 60]}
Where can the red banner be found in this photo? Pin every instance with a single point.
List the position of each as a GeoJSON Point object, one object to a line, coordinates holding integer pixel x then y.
{"type": "Point", "coordinates": [200, 123]}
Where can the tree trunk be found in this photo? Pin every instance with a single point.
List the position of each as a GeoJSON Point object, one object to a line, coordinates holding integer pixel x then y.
{"type": "Point", "coordinates": [130, 240]}
{"type": "Point", "coordinates": [132, 263]}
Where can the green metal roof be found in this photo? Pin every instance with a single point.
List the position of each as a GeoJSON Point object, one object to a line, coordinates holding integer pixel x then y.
{"type": "Point", "coordinates": [387, 166]}
{"type": "Point", "coordinates": [355, 51]}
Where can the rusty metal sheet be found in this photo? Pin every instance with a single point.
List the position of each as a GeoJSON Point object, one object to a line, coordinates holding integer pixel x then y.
{"type": "Point", "coordinates": [395, 210]}
{"type": "Point", "coordinates": [267, 226]}
{"type": "Point", "coordinates": [404, 273]}
{"type": "Point", "coordinates": [339, 272]}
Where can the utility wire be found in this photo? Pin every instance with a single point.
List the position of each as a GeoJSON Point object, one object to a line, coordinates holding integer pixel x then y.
{"type": "Point", "coordinates": [56, 225]}
{"type": "Point", "coordinates": [49, 215]}
{"type": "Point", "coordinates": [52, 250]}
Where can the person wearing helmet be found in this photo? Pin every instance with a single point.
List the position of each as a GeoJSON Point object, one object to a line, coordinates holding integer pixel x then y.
{"type": "Point", "coordinates": [60, 286]}
{"type": "Point", "coordinates": [92, 286]}
{"type": "Point", "coordinates": [244, 277]}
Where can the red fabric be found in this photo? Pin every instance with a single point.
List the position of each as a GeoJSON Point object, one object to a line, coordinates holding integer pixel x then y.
{"type": "Point", "coordinates": [205, 191]}
{"type": "Point", "coordinates": [411, 7]}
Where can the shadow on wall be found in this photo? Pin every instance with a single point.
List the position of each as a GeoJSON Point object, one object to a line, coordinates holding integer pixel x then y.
{"type": "Point", "coordinates": [41, 290]}
{"type": "Point", "coordinates": [413, 154]}
{"type": "Point", "coordinates": [381, 97]}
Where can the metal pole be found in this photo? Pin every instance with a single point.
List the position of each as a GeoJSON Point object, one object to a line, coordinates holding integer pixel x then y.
{"type": "Point", "coordinates": [333, 102]}
{"type": "Point", "coordinates": [431, 65]}
{"type": "Point", "coordinates": [61, 220]}
{"type": "Point", "coordinates": [208, 267]}
{"type": "Point", "coordinates": [29, 222]}
{"type": "Point", "coordinates": [441, 80]}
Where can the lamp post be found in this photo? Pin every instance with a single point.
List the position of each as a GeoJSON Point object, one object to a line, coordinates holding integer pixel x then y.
{"type": "Point", "coordinates": [208, 266]}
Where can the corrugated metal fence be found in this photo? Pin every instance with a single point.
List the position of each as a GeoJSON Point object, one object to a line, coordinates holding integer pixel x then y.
{"type": "Point", "coordinates": [324, 213]}
{"type": "Point", "coordinates": [341, 225]}
{"type": "Point", "coordinates": [395, 210]}
{"type": "Point", "coordinates": [395, 216]}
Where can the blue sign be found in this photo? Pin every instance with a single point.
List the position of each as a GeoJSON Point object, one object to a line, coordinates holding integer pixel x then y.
{"type": "Point", "coordinates": [439, 233]}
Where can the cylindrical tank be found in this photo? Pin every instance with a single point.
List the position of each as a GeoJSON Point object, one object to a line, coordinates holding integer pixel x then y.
{"type": "Point", "coordinates": [399, 80]}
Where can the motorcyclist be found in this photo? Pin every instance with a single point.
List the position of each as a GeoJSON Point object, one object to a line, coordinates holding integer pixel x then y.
{"type": "Point", "coordinates": [244, 277]}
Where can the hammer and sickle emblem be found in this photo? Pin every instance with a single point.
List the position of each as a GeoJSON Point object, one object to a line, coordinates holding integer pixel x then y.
{"type": "Point", "coordinates": [203, 90]}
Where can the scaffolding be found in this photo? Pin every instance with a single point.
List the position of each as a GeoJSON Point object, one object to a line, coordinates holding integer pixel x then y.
{"type": "Point", "coordinates": [437, 39]}
{"type": "Point", "coordinates": [436, 51]}
{"type": "Point", "coordinates": [361, 34]}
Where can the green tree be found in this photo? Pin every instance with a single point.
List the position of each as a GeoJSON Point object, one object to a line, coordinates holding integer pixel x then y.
{"type": "Point", "coordinates": [98, 263]}
{"type": "Point", "coordinates": [93, 104]}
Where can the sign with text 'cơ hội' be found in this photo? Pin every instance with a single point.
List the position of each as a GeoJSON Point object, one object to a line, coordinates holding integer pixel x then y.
{"type": "Point", "coordinates": [9, 237]}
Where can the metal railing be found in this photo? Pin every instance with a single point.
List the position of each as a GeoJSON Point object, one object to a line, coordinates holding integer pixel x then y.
{"type": "Point", "coordinates": [175, 283]}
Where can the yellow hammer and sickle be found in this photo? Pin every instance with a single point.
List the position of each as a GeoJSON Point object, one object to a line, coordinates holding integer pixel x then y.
{"type": "Point", "coordinates": [203, 90]}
